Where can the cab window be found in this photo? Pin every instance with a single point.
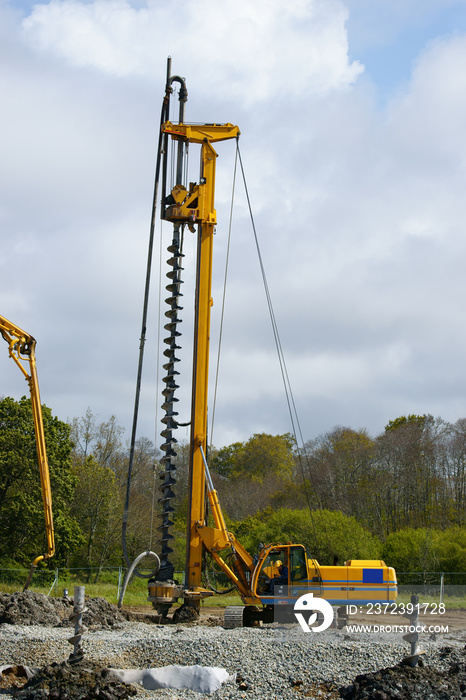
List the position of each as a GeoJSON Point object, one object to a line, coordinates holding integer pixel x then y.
{"type": "Point", "coordinates": [270, 570]}
{"type": "Point", "coordinates": [298, 568]}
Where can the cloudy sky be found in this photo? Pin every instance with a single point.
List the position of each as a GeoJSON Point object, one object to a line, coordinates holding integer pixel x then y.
{"type": "Point", "coordinates": [352, 115]}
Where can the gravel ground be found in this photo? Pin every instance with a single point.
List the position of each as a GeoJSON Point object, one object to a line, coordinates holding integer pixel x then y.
{"type": "Point", "coordinates": [269, 663]}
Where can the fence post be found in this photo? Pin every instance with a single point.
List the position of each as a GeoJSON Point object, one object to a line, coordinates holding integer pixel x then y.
{"type": "Point", "coordinates": [442, 587]}
{"type": "Point", "coordinates": [120, 570]}
{"type": "Point", "coordinates": [54, 584]}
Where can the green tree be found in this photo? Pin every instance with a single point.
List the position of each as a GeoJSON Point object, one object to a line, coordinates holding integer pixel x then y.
{"type": "Point", "coordinates": [339, 470]}
{"type": "Point", "coordinates": [412, 467]}
{"type": "Point", "coordinates": [412, 549]}
{"type": "Point", "coordinates": [226, 461]}
{"type": "Point", "coordinates": [451, 549]}
{"type": "Point", "coordinates": [100, 460]}
{"type": "Point", "coordinates": [256, 458]}
{"type": "Point", "coordinates": [97, 508]}
{"type": "Point", "coordinates": [22, 523]}
{"type": "Point", "coordinates": [325, 534]}
{"type": "Point", "coordinates": [250, 476]}
{"type": "Point", "coordinates": [402, 421]}
{"type": "Point", "coordinates": [101, 440]}
{"type": "Point", "coordinates": [457, 471]}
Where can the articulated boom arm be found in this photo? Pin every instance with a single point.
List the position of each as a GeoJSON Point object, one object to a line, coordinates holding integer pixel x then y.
{"type": "Point", "coordinates": [218, 538]}
{"type": "Point", "coordinates": [21, 348]}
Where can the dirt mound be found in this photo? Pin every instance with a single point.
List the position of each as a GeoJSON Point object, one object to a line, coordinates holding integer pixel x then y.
{"type": "Point", "coordinates": [406, 683]}
{"type": "Point", "coordinates": [29, 608]}
{"type": "Point", "coordinates": [208, 616]}
{"type": "Point", "coordinates": [84, 681]}
{"type": "Point", "coordinates": [99, 613]}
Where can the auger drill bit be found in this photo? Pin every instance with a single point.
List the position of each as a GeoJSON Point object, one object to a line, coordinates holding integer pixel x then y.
{"type": "Point", "coordinates": [169, 419]}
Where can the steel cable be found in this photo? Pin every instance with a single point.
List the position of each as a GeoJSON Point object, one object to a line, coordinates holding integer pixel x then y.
{"type": "Point", "coordinates": [296, 427]}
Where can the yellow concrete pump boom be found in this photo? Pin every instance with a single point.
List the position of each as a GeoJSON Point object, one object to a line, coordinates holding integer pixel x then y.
{"type": "Point", "coordinates": [21, 348]}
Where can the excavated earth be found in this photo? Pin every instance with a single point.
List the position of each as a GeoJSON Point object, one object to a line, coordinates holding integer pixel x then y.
{"type": "Point", "coordinates": [64, 681]}
{"type": "Point", "coordinates": [327, 668]}
{"type": "Point", "coordinates": [406, 683]}
{"type": "Point", "coordinates": [29, 608]}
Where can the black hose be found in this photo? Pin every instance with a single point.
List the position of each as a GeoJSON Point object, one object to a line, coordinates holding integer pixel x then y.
{"type": "Point", "coordinates": [163, 119]}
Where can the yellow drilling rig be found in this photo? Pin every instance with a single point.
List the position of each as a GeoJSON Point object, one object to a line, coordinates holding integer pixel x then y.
{"type": "Point", "coordinates": [280, 573]}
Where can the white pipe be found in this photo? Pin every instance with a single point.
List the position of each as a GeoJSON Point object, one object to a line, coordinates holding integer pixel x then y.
{"type": "Point", "coordinates": [131, 569]}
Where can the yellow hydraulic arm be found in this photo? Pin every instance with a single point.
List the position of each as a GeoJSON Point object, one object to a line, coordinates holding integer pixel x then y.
{"type": "Point", "coordinates": [21, 348]}
{"type": "Point", "coordinates": [218, 538]}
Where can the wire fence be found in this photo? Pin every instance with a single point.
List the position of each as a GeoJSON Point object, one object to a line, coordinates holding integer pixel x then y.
{"type": "Point", "coordinates": [433, 578]}
{"type": "Point", "coordinates": [445, 587]}
{"type": "Point", "coordinates": [107, 582]}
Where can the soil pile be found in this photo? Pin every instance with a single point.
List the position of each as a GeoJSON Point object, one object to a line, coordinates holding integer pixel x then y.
{"type": "Point", "coordinates": [83, 681]}
{"type": "Point", "coordinates": [418, 683]}
{"type": "Point", "coordinates": [29, 608]}
{"type": "Point", "coordinates": [99, 613]}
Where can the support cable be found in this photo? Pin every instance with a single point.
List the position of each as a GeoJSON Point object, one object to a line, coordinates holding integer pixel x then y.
{"type": "Point", "coordinates": [296, 427]}
{"type": "Point", "coordinates": [222, 314]}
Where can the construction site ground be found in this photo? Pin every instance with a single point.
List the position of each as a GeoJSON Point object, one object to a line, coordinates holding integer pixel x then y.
{"type": "Point", "coordinates": [272, 662]}
{"type": "Point", "coordinates": [209, 615]}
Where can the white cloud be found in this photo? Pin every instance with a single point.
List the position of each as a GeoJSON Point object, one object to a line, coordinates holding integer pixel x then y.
{"type": "Point", "coordinates": [253, 50]}
{"type": "Point", "coordinates": [360, 212]}
{"type": "Point", "coordinates": [429, 120]}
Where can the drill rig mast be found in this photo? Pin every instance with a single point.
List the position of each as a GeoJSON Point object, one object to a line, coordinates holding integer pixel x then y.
{"type": "Point", "coordinates": [190, 206]}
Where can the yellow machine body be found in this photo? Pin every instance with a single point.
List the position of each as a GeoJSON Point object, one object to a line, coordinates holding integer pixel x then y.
{"type": "Point", "coordinates": [357, 582]}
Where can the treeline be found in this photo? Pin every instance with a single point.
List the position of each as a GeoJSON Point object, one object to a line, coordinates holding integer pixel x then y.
{"type": "Point", "coordinates": [399, 496]}
{"type": "Point", "coordinates": [412, 475]}
{"type": "Point", "coordinates": [88, 466]}
{"type": "Point", "coordinates": [405, 489]}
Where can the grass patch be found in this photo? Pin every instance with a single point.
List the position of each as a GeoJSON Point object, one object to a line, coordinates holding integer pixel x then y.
{"type": "Point", "coordinates": [107, 587]}
{"type": "Point", "coordinates": [450, 602]}
{"type": "Point", "coordinates": [136, 594]}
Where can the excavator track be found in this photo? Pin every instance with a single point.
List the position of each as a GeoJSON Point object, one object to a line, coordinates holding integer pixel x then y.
{"type": "Point", "coordinates": [233, 617]}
